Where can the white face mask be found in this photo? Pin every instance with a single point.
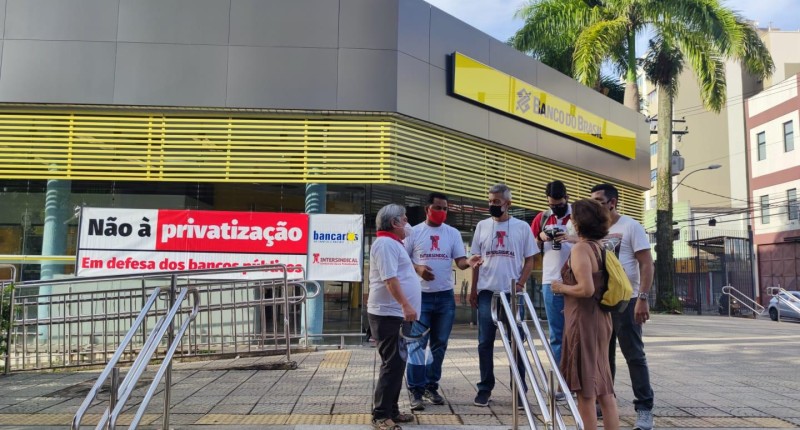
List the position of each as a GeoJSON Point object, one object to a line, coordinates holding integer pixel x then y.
{"type": "Point", "coordinates": [408, 231]}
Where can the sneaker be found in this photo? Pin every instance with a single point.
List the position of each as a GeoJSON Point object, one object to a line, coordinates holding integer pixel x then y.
{"type": "Point", "coordinates": [416, 402]}
{"type": "Point", "coordinates": [403, 418]}
{"type": "Point", "coordinates": [434, 396]}
{"type": "Point", "coordinates": [560, 396]}
{"type": "Point", "coordinates": [644, 420]}
{"type": "Point", "coordinates": [599, 411]}
{"type": "Point", "coordinates": [482, 399]}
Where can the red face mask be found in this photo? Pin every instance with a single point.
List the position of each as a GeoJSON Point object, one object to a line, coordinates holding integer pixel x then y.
{"type": "Point", "coordinates": [437, 217]}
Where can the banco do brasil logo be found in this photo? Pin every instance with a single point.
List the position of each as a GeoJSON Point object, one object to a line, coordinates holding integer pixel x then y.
{"type": "Point", "coordinates": [334, 237]}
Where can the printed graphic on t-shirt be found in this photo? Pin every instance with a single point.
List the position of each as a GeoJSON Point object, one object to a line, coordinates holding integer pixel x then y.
{"type": "Point", "coordinates": [613, 242]}
{"type": "Point", "coordinates": [501, 239]}
{"type": "Point", "coordinates": [435, 243]}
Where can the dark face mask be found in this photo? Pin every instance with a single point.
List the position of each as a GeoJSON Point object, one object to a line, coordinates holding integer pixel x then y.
{"type": "Point", "coordinates": [560, 210]}
{"type": "Point", "coordinates": [496, 211]}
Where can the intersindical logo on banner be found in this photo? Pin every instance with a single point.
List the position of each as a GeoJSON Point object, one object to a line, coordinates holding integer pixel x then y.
{"type": "Point", "coordinates": [123, 241]}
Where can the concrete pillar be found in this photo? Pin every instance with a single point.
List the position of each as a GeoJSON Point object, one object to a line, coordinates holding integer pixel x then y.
{"type": "Point", "coordinates": [54, 237]}
{"type": "Point", "coordinates": [314, 308]}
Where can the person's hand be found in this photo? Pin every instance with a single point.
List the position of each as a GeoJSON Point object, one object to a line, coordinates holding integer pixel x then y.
{"type": "Point", "coordinates": [473, 298]}
{"type": "Point", "coordinates": [557, 287]}
{"type": "Point", "coordinates": [425, 272]}
{"type": "Point", "coordinates": [475, 261]}
{"type": "Point", "coordinates": [409, 313]}
{"type": "Point", "coordinates": [543, 236]}
{"type": "Point", "coordinates": [561, 236]}
{"type": "Point", "coordinates": [641, 313]}
{"type": "Point", "coordinates": [520, 287]}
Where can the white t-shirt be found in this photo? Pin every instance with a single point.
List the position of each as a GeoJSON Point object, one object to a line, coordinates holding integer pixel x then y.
{"type": "Point", "coordinates": [628, 237]}
{"type": "Point", "coordinates": [504, 245]}
{"type": "Point", "coordinates": [388, 258]}
{"type": "Point", "coordinates": [553, 259]}
{"type": "Point", "coordinates": [436, 247]}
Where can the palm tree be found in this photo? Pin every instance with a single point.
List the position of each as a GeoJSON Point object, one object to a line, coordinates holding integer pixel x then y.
{"type": "Point", "coordinates": [702, 33]}
{"type": "Point", "coordinates": [705, 48]}
{"type": "Point", "coordinates": [563, 33]}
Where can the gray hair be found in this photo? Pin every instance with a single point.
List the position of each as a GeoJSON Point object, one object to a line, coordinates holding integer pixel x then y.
{"type": "Point", "coordinates": [501, 188]}
{"type": "Point", "coordinates": [387, 215]}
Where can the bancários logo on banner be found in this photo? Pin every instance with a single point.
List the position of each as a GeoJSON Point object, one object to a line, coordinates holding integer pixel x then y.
{"type": "Point", "coordinates": [334, 237]}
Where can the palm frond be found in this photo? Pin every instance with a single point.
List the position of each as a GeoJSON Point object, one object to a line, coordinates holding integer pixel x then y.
{"type": "Point", "coordinates": [753, 53]}
{"type": "Point", "coordinates": [593, 45]}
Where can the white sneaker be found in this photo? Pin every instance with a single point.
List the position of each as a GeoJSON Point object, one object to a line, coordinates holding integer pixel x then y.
{"type": "Point", "coordinates": [644, 420]}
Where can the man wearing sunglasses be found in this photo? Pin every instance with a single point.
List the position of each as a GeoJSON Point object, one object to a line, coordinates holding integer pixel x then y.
{"type": "Point", "coordinates": [433, 246]}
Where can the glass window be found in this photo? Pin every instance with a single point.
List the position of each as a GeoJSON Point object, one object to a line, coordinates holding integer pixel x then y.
{"type": "Point", "coordinates": [764, 209]}
{"type": "Point", "coordinates": [654, 148]}
{"type": "Point", "coordinates": [788, 136]}
{"type": "Point", "coordinates": [762, 146]}
{"type": "Point", "coordinates": [791, 201]}
{"type": "Point", "coordinates": [653, 175]}
{"type": "Point", "coordinates": [652, 202]}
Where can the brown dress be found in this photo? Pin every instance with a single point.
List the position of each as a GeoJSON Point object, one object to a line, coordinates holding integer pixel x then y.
{"type": "Point", "coordinates": [587, 334]}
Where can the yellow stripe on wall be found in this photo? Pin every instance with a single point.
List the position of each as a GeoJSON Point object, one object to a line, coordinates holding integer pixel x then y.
{"type": "Point", "coordinates": [180, 148]}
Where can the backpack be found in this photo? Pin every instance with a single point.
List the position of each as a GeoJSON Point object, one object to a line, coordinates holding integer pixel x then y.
{"type": "Point", "coordinates": [616, 291]}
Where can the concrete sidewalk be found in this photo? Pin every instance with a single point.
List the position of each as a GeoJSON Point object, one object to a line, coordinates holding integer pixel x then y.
{"type": "Point", "coordinates": [707, 372]}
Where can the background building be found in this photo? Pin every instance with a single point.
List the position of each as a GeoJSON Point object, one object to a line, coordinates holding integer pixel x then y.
{"type": "Point", "coordinates": [271, 105]}
{"type": "Point", "coordinates": [716, 203]}
{"type": "Point", "coordinates": [772, 120]}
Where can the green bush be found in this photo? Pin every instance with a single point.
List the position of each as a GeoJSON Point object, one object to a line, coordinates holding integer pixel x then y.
{"type": "Point", "coordinates": [5, 308]}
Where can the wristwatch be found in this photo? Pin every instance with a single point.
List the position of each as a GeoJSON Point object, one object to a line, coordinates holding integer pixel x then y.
{"type": "Point", "coordinates": [642, 296]}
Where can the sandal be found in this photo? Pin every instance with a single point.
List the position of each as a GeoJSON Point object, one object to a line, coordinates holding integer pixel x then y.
{"type": "Point", "coordinates": [403, 418]}
{"type": "Point", "coordinates": [385, 424]}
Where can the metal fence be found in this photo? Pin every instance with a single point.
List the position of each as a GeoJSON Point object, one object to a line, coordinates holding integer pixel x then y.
{"type": "Point", "coordinates": [706, 264]}
{"type": "Point", "coordinates": [81, 321]}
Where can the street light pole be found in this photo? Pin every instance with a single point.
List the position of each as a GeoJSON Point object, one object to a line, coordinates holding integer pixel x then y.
{"type": "Point", "coordinates": [711, 167]}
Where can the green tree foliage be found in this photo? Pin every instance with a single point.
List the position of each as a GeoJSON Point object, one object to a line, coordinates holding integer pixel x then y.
{"type": "Point", "coordinates": [701, 34]}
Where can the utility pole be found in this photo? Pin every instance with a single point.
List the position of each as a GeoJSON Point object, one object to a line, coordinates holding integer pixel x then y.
{"type": "Point", "coordinates": [665, 266]}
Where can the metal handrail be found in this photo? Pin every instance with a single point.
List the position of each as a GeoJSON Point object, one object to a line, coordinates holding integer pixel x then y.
{"type": "Point", "coordinates": [749, 303]}
{"type": "Point", "coordinates": [776, 292]}
{"type": "Point", "coordinates": [556, 376]}
{"type": "Point", "coordinates": [112, 363]}
{"type": "Point", "coordinates": [165, 368]}
{"type": "Point", "coordinates": [544, 388]}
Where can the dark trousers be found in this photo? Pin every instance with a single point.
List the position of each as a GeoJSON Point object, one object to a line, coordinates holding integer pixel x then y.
{"type": "Point", "coordinates": [487, 331]}
{"type": "Point", "coordinates": [386, 331]}
{"type": "Point", "coordinates": [630, 342]}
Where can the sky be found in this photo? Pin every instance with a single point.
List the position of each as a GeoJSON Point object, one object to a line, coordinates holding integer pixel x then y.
{"type": "Point", "coordinates": [496, 17]}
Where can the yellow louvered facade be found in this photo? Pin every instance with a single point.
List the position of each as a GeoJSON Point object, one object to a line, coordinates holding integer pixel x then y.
{"type": "Point", "coordinates": [273, 149]}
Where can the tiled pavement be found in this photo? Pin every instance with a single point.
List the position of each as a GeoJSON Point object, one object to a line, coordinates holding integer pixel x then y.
{"type": "Point", "coordinates": [707, 372]}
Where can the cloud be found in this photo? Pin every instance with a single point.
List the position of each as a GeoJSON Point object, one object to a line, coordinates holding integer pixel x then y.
{"type": "Point", "coordinates": [781, 14]}
{"type": "Point", "coordinates": [494, 17]}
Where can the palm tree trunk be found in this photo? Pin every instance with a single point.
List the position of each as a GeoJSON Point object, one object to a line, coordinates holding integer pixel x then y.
{"type": "Point", "coordinates": [664, 261]}
{"type": "Point", "coordinates": [631, 87]}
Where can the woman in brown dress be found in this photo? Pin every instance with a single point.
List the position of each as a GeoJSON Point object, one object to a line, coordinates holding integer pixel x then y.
{"type": "Point", "coordinates": [587, 328]}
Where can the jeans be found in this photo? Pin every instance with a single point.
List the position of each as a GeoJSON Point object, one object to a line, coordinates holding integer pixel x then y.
{"type": "Point", "coordinates": [554, 308]}
{"type": "Point", "coordinates": [386, 331]}
{"type": "Point", "coordinates": [438, 312]}
{"type": "Point", "coordinates": [487, 331]}
{"type": "Point", "coordinates": [630, 342]}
